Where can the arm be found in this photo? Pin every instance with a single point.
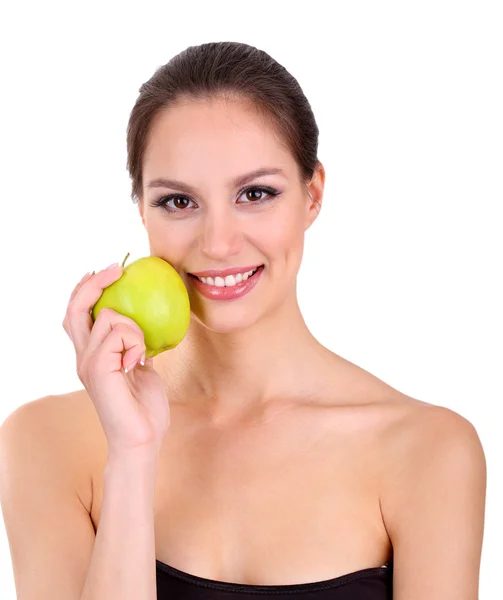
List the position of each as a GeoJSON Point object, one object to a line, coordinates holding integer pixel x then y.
{"type": "Point", "coordinates": [123, 559]}
{"type": "Point", "coordinates": [55, 552]}
{"type": "Point", "coordinates": [433, 506]}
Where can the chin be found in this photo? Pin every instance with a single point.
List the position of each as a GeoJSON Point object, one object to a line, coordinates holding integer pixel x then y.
{"type": "Point", "coordinates": [226, 321]}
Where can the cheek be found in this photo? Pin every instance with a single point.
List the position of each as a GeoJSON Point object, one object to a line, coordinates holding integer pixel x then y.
{"type": "Point", "coordinates": [281, 237]}
{"type": "Point", "coordinates": [170, 241]}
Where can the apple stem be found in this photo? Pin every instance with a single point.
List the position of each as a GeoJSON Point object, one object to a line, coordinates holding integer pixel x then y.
{"type": "Point", "coordinates": [124, 261]}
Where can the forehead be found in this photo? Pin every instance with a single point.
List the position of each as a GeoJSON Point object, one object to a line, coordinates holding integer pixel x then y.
{"type": "Point", "coordinates": [213, 137]}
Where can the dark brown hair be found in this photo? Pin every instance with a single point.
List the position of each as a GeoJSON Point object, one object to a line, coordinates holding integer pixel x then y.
{"type": "Point", "coordinates": [225, 68]}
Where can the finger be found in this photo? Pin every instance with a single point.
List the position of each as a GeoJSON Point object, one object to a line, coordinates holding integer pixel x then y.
{"type": "Point", "coordinates": [86, 277]}
{"type": "Point", "coordinates": [106, 321]}
{"type": "Point", "coordinates": [79, 318]}
{"type": "Point", "coordinates": [109, 356]}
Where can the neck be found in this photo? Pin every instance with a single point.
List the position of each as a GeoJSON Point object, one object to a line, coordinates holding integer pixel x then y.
{"type": "Point", "coordinates": [229, 374]}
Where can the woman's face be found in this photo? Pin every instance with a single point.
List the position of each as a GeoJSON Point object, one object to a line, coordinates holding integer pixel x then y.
{"type": "Point", "coordinates": [219, 216]}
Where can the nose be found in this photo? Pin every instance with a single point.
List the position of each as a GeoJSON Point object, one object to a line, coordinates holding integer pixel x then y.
{"type": "Point", "coordinates": [221, 236]}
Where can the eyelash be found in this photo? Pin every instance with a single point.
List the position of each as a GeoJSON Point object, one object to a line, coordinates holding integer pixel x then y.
{"type": "Point", "coordinates": [163, 200]}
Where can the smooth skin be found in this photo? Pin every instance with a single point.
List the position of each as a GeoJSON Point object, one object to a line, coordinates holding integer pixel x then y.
{"type": "Point", "coordinates": [283, 462]}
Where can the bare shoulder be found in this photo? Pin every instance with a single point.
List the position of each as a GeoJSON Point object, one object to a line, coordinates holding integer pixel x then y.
{"type": "Point", "coordinates": [62, 430]}
{"type": "Point", "coordinates": [418, 434]}
{"type": "Point", "coordinates": [419, 431]}
{"type": "Point", "coordinates": [433, 499]}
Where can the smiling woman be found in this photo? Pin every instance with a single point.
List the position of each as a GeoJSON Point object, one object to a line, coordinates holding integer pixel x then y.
{"type": "Point", "coordinates": [250, 459]}
{"type": "Point", "coordinates": [227, 170]}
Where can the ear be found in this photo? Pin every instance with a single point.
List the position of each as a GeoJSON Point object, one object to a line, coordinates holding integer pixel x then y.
{"type": "Point", "coordinates": [315, 194]}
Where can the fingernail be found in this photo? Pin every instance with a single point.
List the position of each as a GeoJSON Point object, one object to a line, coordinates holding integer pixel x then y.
{"type": "Point", "coordinates": [113, 266]}
{"type": "Point", "coordinates": [142, 360]}
{"type": "Point", "coordinates": [130, 367]}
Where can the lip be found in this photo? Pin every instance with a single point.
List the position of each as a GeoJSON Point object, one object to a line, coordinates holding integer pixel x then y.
{"type": "Point", "coordinates": [212, 292]}
{"type": "Point", "coordinates": [223, 274]}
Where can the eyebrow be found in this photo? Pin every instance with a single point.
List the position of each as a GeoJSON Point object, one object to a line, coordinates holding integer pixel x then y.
{"type": "Point", "coordinates": [238, 181]}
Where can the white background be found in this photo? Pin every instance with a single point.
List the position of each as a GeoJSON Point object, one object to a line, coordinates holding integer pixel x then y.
{"type": "Point", "coordinates": [402, 271]}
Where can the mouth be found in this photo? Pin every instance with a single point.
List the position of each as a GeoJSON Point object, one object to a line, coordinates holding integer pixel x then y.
{"type": "Point", "coordinates": [228, 280]}
{"type": "Point", "coordinates": [230, 287]}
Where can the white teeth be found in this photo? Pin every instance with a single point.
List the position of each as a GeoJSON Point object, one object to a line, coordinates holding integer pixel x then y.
{"type": "Point", "coordinates": [229, 281]}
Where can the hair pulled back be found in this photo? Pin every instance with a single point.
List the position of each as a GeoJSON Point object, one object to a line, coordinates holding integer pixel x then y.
{"type": "Point", "coordinates": [227, 69]}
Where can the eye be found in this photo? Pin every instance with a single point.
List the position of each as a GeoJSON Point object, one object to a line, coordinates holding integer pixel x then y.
{"type": "Point", "coordinates": [180, 202]}
{"type": "Point", "coordinates": [172, 202]}
{"type": "Point", "coordinates": [254, 194]}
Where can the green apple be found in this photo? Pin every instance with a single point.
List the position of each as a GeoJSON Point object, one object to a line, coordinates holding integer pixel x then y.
{"type": "Point", "coordinates": [150, 292]}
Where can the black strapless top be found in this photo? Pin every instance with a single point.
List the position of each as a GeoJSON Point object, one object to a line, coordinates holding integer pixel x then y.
{"type": "Point", "coordinates": [367, 584]}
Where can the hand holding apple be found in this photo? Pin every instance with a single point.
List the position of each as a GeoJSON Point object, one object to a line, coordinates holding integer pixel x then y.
{"type": "Point", "coordinates": [152, 294]}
